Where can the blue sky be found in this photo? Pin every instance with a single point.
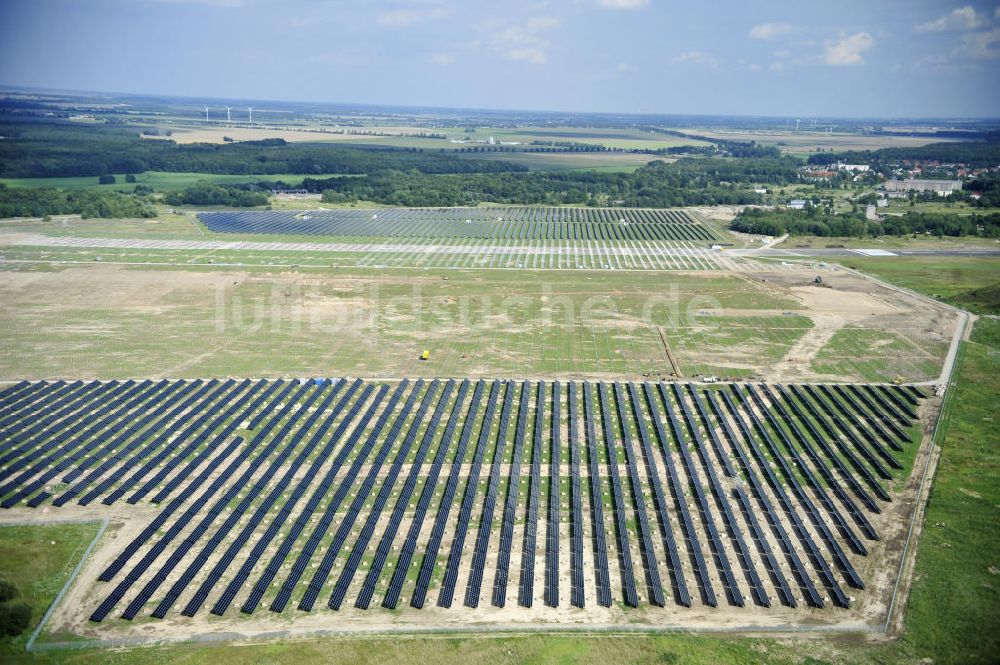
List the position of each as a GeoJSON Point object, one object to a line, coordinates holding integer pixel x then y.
{"type": "Point", "coordinates": [805, 58]}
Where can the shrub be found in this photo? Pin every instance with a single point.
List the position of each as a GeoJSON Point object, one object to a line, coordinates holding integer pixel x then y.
{"type": "Point", "coordinates": [7, 591]}
{"type": "Point", "coordinates": [14, 618]}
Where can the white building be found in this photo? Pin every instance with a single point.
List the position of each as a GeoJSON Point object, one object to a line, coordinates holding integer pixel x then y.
{"type": "Point", "coordinates": [854, 168]}
{"type": "Point", "coordinates": [900, 188]}
{"type": "Point", "coordinates": [797, 204]}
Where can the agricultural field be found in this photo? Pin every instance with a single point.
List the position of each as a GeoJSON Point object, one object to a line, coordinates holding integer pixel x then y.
{"type": "Point", "coordinates": [608, 162]}
{"type": "Point", "coordinates": [160, 181]}
{"type": "Point", "coordinates": [806, 141]}
{"type": "Point", "coordinates": [408, 137]}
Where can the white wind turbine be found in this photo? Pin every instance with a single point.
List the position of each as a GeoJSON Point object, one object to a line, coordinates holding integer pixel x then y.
{"type": "Point", "coordinates": [228, 117]}
{"type": "Point", "coordinates": [250, 109]}
{"type": "Point", "coordinates": [206, 113]}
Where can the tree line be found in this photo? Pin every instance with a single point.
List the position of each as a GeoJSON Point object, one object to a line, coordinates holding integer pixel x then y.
{"type": "Point", "coordinates": [658, 184]}
{"type": "Point", "coordinates": [85, 202]}
{"type": "Point", "coordinates": [973, 153]}
{"type": "Point", "coordinates": [40, 150]}
{"type": "Point", "coordinates": [816, 222]}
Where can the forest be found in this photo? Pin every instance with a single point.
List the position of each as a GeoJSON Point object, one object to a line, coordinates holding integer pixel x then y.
{"type": "Point", "coordinates": [974, 154]}
{"type": "Point", "coordinates": [42, 150]}
{"type": "Point", "coordinates": [658, 184]}
{"type": "Point", "coordinates": [88, 203]}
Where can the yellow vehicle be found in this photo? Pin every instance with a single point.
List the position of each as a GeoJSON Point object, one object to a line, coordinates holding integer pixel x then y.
{"type": "Point", "coordinates": [425, 355]}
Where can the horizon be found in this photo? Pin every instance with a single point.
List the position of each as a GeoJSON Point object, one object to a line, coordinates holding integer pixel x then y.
{"type": "Point", "coordinates": [120, 94]}
{"type": "Point", "coordinates": [911, 60]}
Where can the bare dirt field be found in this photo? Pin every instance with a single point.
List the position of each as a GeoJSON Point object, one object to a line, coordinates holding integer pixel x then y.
{"type": "Point", "coordinates": [100, 320]}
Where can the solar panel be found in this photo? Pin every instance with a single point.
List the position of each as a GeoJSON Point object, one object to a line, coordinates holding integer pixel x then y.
{"type": "Point", "coordinates": [407, 551]}
{"type": "Point", "coordinates": [474, 585]}
{"type": "Point", "coordinates": [388, 484]}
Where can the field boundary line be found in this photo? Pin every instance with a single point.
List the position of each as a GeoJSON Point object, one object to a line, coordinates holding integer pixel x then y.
{"type": "Point", "coordinates": [501, 632]}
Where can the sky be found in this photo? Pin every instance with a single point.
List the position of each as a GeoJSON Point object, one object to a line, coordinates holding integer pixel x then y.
{"type": "Point", "coordinates": [802, 58]}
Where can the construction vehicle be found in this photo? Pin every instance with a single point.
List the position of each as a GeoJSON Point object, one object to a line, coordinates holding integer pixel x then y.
{"type": "Point", "coordinates": [425, 355]}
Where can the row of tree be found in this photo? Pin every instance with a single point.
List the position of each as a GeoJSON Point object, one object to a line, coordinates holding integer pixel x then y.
{"type": "Point", "coordinates": [208, 194]}
{"type": "Point", "coordinates": [658, 184]}
{"type": "Point", "coordinates": [975, 154]}
{"type": "Point", "coordinates": [816, 222]}
{"type": "Point", "coordinates": [85, 202]}
{"type": "Point", "coordinates": [32, 150]}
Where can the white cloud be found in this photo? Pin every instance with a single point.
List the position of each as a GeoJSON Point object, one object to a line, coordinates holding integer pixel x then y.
{"type": "Point", "coordinates": [525, 42]}
{"type": "Point", "coordinates": [626, 68]}
{"type": "Point", "coordinates": [441, 59]}
{"type": "Point", "coordinates": [767, 31]}
{"type": "Point", "coordinates": [623, 4]}
{"type": "Point", "coordinates": [981, 45]}
{"type": "Point", "coordinates": [962, 18]}
{"type": "Point", "coordinates": [401, 18]}
{"type": "Point", "coordinates": [536, 55]}
{"type": "Point", "coordinates": [848, 50]}
{"type": "Point", "coordinates": [694, 58]}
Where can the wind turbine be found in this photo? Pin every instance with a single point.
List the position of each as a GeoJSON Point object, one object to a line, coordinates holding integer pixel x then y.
{"type": "Point", "coordinates": [206, 112]}
{"type": "Point", "coordinates": [797, 125]}
{"type": "Point", "coordinates": [228, 117]}
{"type": "Point", "coordinates": [250, 109]}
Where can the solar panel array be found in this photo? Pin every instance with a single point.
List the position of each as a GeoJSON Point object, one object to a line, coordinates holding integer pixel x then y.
{"type": "Point", "coordinates": [513, 223]}
{"type": "Point", "coordinates": [751, 491]}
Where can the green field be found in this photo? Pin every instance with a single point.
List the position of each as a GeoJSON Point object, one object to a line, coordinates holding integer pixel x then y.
{"type": "Point", "coordinates": [890, 243]}
{"type": "Point", "coordinates": [38, 560]}
{"type": "Point", "coordinates": [607, 162]}
{"type": "Point", "coordinates": [967, 282]}
{"type": "Point", "coordinates": [159, 180]}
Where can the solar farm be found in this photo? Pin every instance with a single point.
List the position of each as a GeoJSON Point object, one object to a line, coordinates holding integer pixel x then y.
{"type": "Point", "coordinates": [726, 443]}
{"type": "Point", "coordinates": [511, 223]}
{"type": "Point", "coordinates": [294, 496]}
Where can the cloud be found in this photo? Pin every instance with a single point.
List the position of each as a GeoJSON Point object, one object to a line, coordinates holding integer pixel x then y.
{"type": "Point", "coordinates": [401, 18]}
{"type": "Point", "coordinates": [848, 50]}
{"type": "Point", "coordinates": [534, 54]}
{"type": "Point", "coordinates": [962, 18]}
{"type": "Point", "coordinates": [525, 42]}
{"type": "Point", "coordinates": [981, 45]}
{"type": "Point", "coordinates": [695, 58]}
{"type": "Point", "coordinates": [623, 4]}
{"type": "Point", "coordinates": [441, 59]}
{"type": "Point", "coordinates": [767, 31]}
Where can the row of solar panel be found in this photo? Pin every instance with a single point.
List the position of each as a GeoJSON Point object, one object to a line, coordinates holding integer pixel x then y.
{"type": "Point", "coordinates": [629, 225]}
{"type": "Point", "coordinates": [881, 409]}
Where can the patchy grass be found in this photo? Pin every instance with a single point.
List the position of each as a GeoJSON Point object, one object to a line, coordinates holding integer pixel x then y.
{"type": "Point", "coordinates": [37, 560]}
{"type": "Point", "coordinates": [952, 615]}
{"type": "Point", "coordinates": [961, 281]}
